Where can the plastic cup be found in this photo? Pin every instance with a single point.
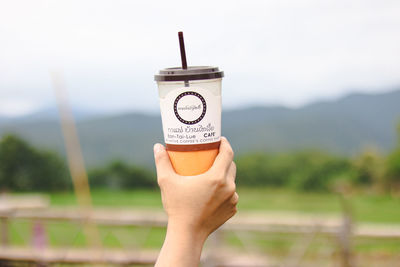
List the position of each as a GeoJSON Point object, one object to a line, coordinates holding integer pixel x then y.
{"type": "Point", "coordinates": [190, 103]}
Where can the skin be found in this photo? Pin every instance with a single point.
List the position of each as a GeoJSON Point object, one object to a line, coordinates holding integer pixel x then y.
{"type": "Point", "coordinates": [196, 205]}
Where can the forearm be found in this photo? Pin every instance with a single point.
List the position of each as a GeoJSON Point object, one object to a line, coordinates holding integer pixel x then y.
{"type": "Point", "coordinates": [182, 247]}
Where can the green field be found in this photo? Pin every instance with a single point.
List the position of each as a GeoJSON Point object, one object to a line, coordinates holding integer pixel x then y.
{"type": "Point", "coordinates": [367, 208]}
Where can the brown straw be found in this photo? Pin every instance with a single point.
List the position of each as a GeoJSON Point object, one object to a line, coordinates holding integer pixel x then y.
{"type": "Point", "coordinates": [183, 52]}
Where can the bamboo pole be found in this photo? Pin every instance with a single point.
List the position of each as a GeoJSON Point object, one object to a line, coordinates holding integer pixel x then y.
{"type": "Point", "coordinates": [75, 159]}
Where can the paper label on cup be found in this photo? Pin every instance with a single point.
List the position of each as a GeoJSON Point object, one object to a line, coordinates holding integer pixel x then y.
{"type": "Point", "coordinates": [190, 116]}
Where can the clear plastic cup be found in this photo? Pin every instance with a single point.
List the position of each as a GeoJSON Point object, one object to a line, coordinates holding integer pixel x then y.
{"type": "Point", "coordinates": [190, 103]}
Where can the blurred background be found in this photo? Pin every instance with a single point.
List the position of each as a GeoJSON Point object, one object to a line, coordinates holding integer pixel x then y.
{"type": "Point", "coordinates": [311, 106]}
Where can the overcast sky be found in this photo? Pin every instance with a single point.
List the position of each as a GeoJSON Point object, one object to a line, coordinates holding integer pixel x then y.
{"type": "Point", "coordinates": [273, 52]}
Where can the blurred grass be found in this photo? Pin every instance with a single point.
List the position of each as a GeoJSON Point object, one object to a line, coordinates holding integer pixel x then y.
{"type": "Point", "coordinates": [367, 207]}
{"type": "Point", "coordinates": [68, 234]}
{"type": "Point", "coordinates": [281, 244]}
{"type": "Point", "coordinates": [134, 198]}
{"type": "Point", "coordinates": [71, 234]}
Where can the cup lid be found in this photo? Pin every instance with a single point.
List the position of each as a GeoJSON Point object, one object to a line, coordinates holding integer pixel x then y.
{"type": "Point", "coordinates": [191, 73]}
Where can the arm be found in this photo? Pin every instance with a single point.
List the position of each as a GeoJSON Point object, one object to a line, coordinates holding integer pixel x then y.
{"type": "Point", "coordinates": [196, 205]}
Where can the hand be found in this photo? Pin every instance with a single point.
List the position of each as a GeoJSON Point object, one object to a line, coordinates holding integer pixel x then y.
{"type": "Point", "coordinates": [196, 205]}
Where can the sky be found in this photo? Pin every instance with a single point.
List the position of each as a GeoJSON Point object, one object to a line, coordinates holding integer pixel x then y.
{"type": "Point", "coordinates": [272, 52]}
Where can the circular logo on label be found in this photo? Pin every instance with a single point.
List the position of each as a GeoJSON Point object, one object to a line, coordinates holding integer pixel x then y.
{"type": "Point", "coordinates": [190, 107]}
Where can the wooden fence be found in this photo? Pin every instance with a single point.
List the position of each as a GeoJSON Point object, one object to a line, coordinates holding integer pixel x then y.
{"type": "Point", "coordinates": [342, 228]}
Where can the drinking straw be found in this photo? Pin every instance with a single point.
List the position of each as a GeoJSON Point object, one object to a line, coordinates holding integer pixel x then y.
{"type": "Point", "coordinates": [183, 53]}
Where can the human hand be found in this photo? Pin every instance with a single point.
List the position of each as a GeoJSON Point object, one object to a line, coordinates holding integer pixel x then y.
{"type": "Point", "coordinates": [198, 204]}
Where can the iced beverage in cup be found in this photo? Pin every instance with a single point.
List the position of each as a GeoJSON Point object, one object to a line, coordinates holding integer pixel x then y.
{"type": "Point", "coordinates": [190, 102]}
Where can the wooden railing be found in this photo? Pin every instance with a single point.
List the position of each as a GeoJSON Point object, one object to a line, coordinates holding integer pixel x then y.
{"type": "Point", "coordinates": [38, 212]}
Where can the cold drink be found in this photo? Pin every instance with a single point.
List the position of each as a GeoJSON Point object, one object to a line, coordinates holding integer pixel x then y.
{"type": "Point", "coordinates": [190, 102]}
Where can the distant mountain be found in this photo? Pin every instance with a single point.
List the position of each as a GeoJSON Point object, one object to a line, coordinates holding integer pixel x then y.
{"type": "Point", "coordinates": [50, 114]}
{"type": "Point", "coordinates": [344, 126]}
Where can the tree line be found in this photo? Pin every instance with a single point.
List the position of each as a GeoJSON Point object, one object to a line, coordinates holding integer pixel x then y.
{"type": "Point", "coordinates": [26, 168]}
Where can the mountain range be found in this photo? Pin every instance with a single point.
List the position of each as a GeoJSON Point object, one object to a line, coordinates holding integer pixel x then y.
{"type": "Point", "coordinates": [344, 126]}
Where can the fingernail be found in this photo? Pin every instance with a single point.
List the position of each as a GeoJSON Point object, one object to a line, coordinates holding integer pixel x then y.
{"type": "Point", "coordinates": [158, 148]}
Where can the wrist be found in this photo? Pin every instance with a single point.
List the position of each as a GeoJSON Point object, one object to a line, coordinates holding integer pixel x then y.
{"type": "Point", "coordinates": [186, 231]}
{"type": "Point", "coordinates": [182, 246]}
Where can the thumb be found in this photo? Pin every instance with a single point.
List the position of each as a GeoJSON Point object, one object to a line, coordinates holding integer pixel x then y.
{"type": "Point", "coordinates": [163, 164]}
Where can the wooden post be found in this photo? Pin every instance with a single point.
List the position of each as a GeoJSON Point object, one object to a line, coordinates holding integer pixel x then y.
{"type": "Point", "coordinates": [39, 238]}
{"type": "Point", "coordinates": [4, 223]}
{"type": "Point", "coordinates": [345, 234]}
